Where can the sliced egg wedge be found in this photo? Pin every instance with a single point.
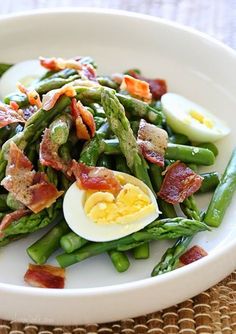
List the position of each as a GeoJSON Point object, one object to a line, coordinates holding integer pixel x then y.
{"type": "Point", "coordinates": [192, 120]}
{"type": "Point", "coordinates": [80, 205]}
{"type": "Point", "coordinates": [26, 72]}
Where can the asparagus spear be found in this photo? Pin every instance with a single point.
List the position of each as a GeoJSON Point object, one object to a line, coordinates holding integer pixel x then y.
{"type": "Point", "coordinates": [48, 243]}
{"type": "Point", "coordinates": [29, 224]}
{"type": "Point", "coordinates": [210, 182]}
{"type": "Point", "coordinates": [60, 129]}
{"type": "Point", "coordinates": [120, 126]}
{"type": "Point", "coordinates": [133, 106]}
{"type": "Point", "coordinates": [42, 87]}
{"type": "Point", "coordinates": [72, 241]}
{"type": "Point", "coordinates": [121, 165]}
{"type": "Point", "coordinates": [187, 154]}
{"type": "Point", "coordinates": [223, 194]}
{"type": "Point", "coordinates": [170, 258]}
{"type": "Point", "coordinates": [159, 229]}
{"type": "Point", "coordinates": [167, 209]}
{"type": "Point", "coordinates": [120, 260]}
{"type": "Point", "coordinates": [141, 252]}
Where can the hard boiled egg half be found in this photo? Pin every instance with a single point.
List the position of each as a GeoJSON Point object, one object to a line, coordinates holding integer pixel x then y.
{"type": "Point", "coordinates": [26, 72]}
{"type": "Point", "coordinates": [101, 216]}
{"type": "Point", "coordinates": [192, 120]}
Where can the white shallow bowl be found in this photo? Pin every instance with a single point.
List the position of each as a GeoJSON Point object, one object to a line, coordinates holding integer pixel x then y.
{"type": "Point", "coordinates": [194, 65]}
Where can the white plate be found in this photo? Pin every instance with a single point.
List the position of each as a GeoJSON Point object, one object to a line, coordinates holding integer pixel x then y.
{"type": "Point", "coordinates": [193, 65]}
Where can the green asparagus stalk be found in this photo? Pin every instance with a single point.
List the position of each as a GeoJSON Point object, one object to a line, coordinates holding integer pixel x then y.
{"type": "Point", "coordinates": [141, 252]}
{"type": "Point", "coordinates": [72, 241]}
{"type": "Point", "coordinates": [210, 182]}
{"type": "Point", "coordinates": [223, 194]}
{"type": "Point", "coordinates": [42, 87]}
{"type": "Point", "coordinates": [120, 260]}
{"type": "Point", "coordinates": [170, 258]}
{"type": "Point", "coordinates": [60, 129]}
{"type": "Point", "coordinates": [210, 146]}
{"type": "Point", "coordinates": [167, 209]}
{"type": "Point", "coordinates": [43, 248]}
{"type": "Point", "coordinates": [121, 165]}
{"type": "Point", "coordinates": [158, 230]}
{"type": "Point", "coordinates": [184, 153]}
{"type": "Point", "coordinates": [120, 126]}
{"type": "Point", "coordinates": [29, 224]}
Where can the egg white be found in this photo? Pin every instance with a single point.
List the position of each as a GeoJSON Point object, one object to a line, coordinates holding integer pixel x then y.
{"type": "Point", "coordinates": [25, 72]}
{"type": "Point", "coordinates": [81, 224]}
{"type": "Point", "coordinates": [177, 108]}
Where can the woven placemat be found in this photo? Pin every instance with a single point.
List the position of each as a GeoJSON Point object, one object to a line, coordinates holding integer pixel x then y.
{"type": "Point", "coordinates": [212, 311]}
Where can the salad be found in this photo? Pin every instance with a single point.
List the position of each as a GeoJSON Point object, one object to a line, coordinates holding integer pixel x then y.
{"type": "Point", "coordinates": [104, 160]}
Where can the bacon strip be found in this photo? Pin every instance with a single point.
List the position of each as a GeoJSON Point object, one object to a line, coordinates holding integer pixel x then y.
{"type": "Point", "coordinates": [32, 95]}
{"type": "Point", "coordinates": [30, 188]}
{"type": "Point", "coordinates": [45, 276]}
{"type": "Point", "coordinates": [158, 87]}
{"type": "Point", "coordinates": [87, 71]}
{"type": "Point", "coordinates": [50, 99]}
{"type": "Point", "coordinates": [48, 153]}
{"type": "Point", "coordinates": [9, 115]}
{"type": "Point", "coordinates": [10, 218]}
{"type": "Point", "coordinates": [152, 142]}
{"type": "Point", "coordinates": [179, 183]}
{"type": "Point", "coordinates": [84, 120]}
{"type": "Point", "coordinates": [137, 88]}
{"type": "Point", "coordinates": [193, 254]}
{"type": "Point", "coordinates": [95, 178]}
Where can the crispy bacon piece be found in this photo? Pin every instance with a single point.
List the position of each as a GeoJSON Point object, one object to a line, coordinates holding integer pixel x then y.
{"type": "Point", "coordinates": [48, 153]}
{"type": "Point", "coordinates": [10, 218]}
{"type": "Point", "coordinates": [158, 87]}
{"type": "Point", "coordinates": [8, 115]}
{"type": "Point", "coordinates": [57, 64]}
{"type": "Point", "coordinates": [84, 120]}
{"type": "Point", "coordinates": [50, 99]}
{"type": "Point", "coordinates": [30, 188]}
{"type": "Point", "coordinates": [137, 88]}
{"type": "Point", "coordinates": [95, 178]}
{"type": "Point", "coordinates": [32, 95]}
{"type": "Point", "coordinates": [87, 71]}
{"type": "Point", "coordinates": [45, 276]}
{"type": "Point", "coordinates": [193, 254]}
{"type": "Point", "coordinates": [179, 183]}
{"type": "Point", "coordinates": [152, 142]}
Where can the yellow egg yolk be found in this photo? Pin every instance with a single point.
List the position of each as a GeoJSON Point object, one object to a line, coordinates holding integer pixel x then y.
{"type": "Point", "coordinates": [201, 119]}
{"type": "Point", "coordinates": [131, 203]}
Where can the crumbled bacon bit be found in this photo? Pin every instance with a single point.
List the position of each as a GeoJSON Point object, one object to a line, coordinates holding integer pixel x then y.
{"type": "Point", "coordinates": [95, 178]}
{"type": "Point", "coordinates": [158, 87]}
{"type": "Point", "coordinates": [50, 99]}
{"type": "Point", "coordinates": [32, 95]}
{"type": "Point", "coordinates": [45, 276]}
{"type": "Point", "coordinates": [137, 88]}
{"type": "Point", "coordinates": [152, 142]}
{"type": "Point", "coordinates": [179, 183]}
{"type": "Point", "coordinates": [48, 153]}
{"type": "Point", "coordinates": [193, 254]}
{"type": "Point", "coordinates": [84, 121]}
{"type": "Point", "coordinates": [9, 115]}
{"type": "Point", "coordinates": [25, 184]}
{"type": "Point", "coordinates": [10, 218]}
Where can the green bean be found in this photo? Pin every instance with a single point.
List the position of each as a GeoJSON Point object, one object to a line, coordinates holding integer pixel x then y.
{"type": "Point", "coordinates": [210, 146]}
